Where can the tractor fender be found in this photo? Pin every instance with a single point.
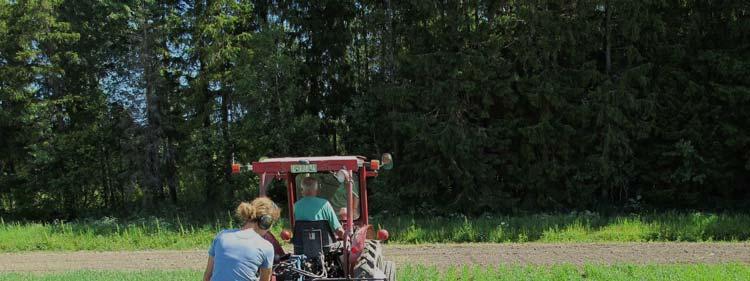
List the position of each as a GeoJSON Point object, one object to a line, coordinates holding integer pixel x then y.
{"type": "Point", "coordinates": [358, 244]}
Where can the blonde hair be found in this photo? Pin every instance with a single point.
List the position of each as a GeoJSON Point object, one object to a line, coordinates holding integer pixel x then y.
{"type": "Point", "coordinates": [257, 208]}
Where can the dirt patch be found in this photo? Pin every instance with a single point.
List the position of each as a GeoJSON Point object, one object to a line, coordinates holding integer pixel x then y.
{"type": "Point", "coordinates": [579, 253]}
{"type": "Point", "coordinates": [434, 255]}
{"type": "Point", "coordinates": [64, 261]}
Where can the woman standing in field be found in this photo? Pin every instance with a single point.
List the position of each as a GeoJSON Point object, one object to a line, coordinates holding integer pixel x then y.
{"type": "Point", "coordinates": [243, 254]}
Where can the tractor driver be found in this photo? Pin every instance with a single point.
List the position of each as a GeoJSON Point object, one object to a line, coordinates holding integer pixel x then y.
{"type": "Point", "coordinates": [339, 199]}
{"type": "Point", "coordinates": [313, 208]}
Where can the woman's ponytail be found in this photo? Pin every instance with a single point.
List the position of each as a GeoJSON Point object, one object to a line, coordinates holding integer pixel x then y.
{"type": "Point", "coordinates": [246, 211]}
{"type": "Point", "coordinates": [261, 206]}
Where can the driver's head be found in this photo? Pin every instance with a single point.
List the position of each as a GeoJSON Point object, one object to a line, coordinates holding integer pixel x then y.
{"type": "Point", "coordinates": [310, 186]}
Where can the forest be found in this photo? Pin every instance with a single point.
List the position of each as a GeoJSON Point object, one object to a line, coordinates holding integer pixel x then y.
{"type": "Point", "coordinates": [134, 107]}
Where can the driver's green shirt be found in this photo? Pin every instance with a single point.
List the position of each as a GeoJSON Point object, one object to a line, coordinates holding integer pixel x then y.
{"type": "Point", "coordinates": [311, 208]}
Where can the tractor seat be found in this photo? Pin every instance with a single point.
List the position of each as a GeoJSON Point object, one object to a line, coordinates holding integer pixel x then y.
{"type": "Point", "coordinates": [312, 238]}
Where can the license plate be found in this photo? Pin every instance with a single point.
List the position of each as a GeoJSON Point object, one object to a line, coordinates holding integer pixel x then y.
{"type": "Point", "coordinates": [304, 168]}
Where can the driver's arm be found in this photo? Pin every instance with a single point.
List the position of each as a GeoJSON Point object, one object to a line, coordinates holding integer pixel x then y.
{"type": "Point", "coordinates": [333, 221]}
{"type": "Point", "coordinates": [340, 233]}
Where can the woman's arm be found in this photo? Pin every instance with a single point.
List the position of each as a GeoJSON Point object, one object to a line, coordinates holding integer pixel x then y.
{"type": "Point", "coordinates": [278, 252]}
{"type": "Point", "coordinates": [209, 269]}
{"type": "Point", "coordinates": [265, 274]}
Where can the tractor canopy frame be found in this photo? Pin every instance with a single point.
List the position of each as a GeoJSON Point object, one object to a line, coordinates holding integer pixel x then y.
{"type": "Point", "coordinates": [284, 169]}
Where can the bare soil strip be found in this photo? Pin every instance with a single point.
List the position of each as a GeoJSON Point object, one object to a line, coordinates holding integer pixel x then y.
{"type": "Point", "coordinates": [578, 254]}
{"type": "Point", "coordinates": [439, 255]}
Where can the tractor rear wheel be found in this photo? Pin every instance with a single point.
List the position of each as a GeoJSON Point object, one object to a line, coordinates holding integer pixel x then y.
{"type": "Point", "coordinates": [363, 270]}
{"type": "Point", "coordinates": [374, 247]}
{"type": "Point", "coordinates": [389, 269]}
{"type": "Point", "coordinates": [370, 263]}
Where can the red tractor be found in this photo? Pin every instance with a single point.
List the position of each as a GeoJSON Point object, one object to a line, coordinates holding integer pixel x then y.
{"type": "Point", "coordinates": [318, 255]}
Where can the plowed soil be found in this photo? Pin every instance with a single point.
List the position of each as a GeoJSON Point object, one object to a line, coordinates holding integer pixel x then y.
{"type": "Point", "coordinates": [439, 255]}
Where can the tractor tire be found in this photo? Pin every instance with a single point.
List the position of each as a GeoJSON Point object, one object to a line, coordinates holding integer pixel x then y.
{"type": "Point", "coordinates": [376, 249]}
{"type": "Point", "coordinates": [369, 264]}
{"type": "Point", "coordinates": [363, 270]}
{"type": "Point", "coordinates": [389, 269]}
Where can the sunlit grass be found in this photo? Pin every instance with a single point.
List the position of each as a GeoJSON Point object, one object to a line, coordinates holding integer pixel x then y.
{"type": "Point", "coordinates": [587, 227]}
{"type": "Point", "coordinates": [174, 233]}
{"type": "Point", "coordinates": [724, 272]}
{"type": "Point", "coordinates": [588, 272]}
{"type": "Point", "coordinates": [111, 234]}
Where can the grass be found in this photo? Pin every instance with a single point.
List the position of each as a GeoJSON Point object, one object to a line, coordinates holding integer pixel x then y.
{"type": "Point", "coordinates": [576, 228]}
{"type": "Point", "coordinates": [174, 233]}
{"type": "Point", "coordinates": [111, 234]}
{"type": "Point", "coordinates": [724, 272]}
{"type": "Point", "coordinates": [588, 272]}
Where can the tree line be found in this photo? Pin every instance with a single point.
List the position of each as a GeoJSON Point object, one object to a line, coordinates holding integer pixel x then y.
{"type": "Point", "coordinates": [135, 106]}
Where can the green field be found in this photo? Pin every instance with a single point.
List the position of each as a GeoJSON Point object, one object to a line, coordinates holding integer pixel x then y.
{"type": "Point", "coordinates": [173, 233]}
{"type": "Point", "coordinates": [727, 272]}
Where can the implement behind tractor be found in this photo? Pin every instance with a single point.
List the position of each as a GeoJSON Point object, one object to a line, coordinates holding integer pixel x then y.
{"type": "Point", "coordinates": [318, 255]}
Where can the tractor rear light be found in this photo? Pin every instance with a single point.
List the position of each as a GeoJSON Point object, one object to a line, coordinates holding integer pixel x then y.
{"type": "Point", "coordinates": [236, 167]}
{"type": "Point", "coordinates": [383, 235]}
{"type": "Point", "coordinates": [374, 164]}
{"type": "Point", "coordinates": [286, 235]}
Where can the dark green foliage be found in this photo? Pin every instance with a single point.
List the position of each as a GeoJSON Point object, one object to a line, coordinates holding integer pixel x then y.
{"type": "Point", "coordinates": [124, 107]}
{"type": "Point", "coordinates": [555, 105]}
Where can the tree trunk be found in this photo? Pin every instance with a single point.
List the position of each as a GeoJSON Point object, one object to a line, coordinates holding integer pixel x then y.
{"type": "Point", "coordinates": [225, 104]}
{"type": "Point", "coordinates": [205, 106]}
{"type": "Point", "coordinates": [171, 170]}
{"type": "Point", "coordinates": [608, 39]}
{"type": "Point", "coordinates": [153, 181]}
